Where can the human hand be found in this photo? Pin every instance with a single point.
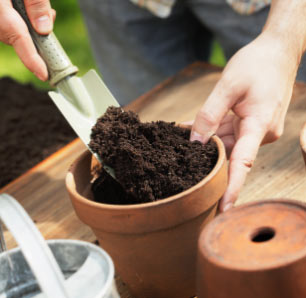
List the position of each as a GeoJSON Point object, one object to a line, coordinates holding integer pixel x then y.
{"type": "Point", "coordinates": [256, 85]}
{"type": "Point", "coordinates": [14, 32]}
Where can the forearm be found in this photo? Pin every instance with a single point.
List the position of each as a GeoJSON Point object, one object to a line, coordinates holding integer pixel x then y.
{"type": "Point", "coordinates": [287, 24]}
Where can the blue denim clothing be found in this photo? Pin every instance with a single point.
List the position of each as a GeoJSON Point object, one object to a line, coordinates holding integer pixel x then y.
{"type": "Point", "coordinates": [135, 50]}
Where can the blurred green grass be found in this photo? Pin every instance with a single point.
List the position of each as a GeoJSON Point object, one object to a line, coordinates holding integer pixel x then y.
{"type": "Point", "coordinates": [71, 32]}
{"type": "Point", "coordinates": [217, 56]}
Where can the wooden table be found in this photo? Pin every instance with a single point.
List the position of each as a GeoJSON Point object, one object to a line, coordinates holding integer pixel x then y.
{"type": "Point", "coordinates": [278, 171]}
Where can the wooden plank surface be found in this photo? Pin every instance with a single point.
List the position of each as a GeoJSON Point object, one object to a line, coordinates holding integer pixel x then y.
{"type": "Point", "coordinates": [278, 171]}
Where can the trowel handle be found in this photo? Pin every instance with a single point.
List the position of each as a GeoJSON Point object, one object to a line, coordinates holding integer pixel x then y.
{"type": "Point", "coordinates": [49, 48]}
{"type": "Point", "coordinates": [33, 247]}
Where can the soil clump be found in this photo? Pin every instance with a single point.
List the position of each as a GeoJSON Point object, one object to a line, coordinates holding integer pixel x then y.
{"type": "Point", "coordinates": [152, 161]}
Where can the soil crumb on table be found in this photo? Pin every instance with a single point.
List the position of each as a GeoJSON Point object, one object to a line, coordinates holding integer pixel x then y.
{"type": "Point", "coordinates": [31, 128]}
{"type": "Point", "coordinates": [151, 160]}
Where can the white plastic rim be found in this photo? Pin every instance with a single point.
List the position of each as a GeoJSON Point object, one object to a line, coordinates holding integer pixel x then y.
{"type": "Point", "coordinates": [38, 254]}
{"type": "Point", "coordinates": [109, 289]}
{"type": "Point", "coordinates": [33, 247]}
{"type": "Point", "coordinates": [110, 277]}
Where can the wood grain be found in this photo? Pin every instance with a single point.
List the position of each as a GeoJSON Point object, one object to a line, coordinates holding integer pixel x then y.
{"type": "Point", "coordinates": [278, 171]}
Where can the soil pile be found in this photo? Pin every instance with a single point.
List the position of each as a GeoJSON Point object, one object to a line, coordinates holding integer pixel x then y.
{"type": "Point", "coordinates": [31, 128]}
{"type": "Point", "coordinates": [152, 160]}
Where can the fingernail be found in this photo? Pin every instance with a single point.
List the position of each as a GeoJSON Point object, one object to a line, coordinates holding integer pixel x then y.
{"type": "Point", "coordinates": [40, 76]}
{"type": "Point", "coordinates": [195, 136]}
{"type": "Point", "coordinates": [227, 206]}
{"type": "Point", "coordinates": [44, 24]}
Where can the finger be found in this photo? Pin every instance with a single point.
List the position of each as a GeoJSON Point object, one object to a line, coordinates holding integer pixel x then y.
{"type": "Point", "coordinates": [53, 11]}
{"type": "Point", "coordinates": [277, 125]}
{"type": "Point", "coordinates": [40, 15]}
{"type": "Point", "coordinates": [228, 118]}
{"type": "Point", "coordinates": [242, 158]}
{"type": "Point", "coordinates": [20, 39]}
{"type": "Point", "coordinates": [229, 142]}
{"type": "Point", "coordinates": [30, 58]}
{"type": "Point", "coordinates": [225, 129]}
{"type": "Point", "coordinates": [214, 110]}
{"type": "Point", "coordinates": [189, 122]}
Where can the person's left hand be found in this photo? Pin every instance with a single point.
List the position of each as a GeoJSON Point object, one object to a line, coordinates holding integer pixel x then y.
{"type": "Point", "coordinates": [256, 86]}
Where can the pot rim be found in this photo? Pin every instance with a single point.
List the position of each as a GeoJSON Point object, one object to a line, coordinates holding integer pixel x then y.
{"type": "Point", "coordinates": [70, 184]}
{"type": "Point", "coordinates": [213, 259]}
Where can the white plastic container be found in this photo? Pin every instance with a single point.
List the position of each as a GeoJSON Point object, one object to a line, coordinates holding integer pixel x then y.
{"type": "Point", "coordinates": [53, 268]}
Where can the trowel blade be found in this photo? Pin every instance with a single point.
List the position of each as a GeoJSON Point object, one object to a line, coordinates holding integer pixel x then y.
{"type": "Point", "coordinates": [82, 100]}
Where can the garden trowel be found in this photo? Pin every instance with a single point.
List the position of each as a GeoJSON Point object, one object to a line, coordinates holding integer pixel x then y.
{"type": "Point", "coordinates": [82, 100]}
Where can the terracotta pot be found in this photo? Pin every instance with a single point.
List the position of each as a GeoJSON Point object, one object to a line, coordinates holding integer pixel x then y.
{"type": "Point", "coordinates": [303, 142]}
{"type": "Point", "coordinates": [255, 250]}
{"type": "Point", "coordinates": [153, 245]}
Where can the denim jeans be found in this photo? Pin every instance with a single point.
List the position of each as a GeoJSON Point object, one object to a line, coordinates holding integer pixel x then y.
{"type": "Point", "coordinates": [136, 50]}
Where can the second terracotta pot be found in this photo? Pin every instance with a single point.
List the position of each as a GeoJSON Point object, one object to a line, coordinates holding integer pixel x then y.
{"type": "Point", "coordinates": [254, 250]}
{"type": "Point", "coordinates": [153, 245]}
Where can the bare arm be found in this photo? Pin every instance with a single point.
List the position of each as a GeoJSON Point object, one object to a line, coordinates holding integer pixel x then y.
{"type": "Point", "coordinates": [287, 22]}
{"type": "Point", "coordinates": [256, 85]}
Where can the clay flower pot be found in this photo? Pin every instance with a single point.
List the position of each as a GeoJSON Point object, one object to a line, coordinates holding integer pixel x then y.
{"type": "Point", "coordinates": [153, 245]}
{"type": "Point", "coordinates": [303, 142]}
{"type": "Point", "coordinates": [255, 250]}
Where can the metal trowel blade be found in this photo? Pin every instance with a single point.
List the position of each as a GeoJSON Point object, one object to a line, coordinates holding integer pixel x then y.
{"type": "Point", "coordinates": [82, 100]}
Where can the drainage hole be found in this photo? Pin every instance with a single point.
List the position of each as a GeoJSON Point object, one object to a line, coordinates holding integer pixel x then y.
{"type": "Point", "coordinates": [263, 235]}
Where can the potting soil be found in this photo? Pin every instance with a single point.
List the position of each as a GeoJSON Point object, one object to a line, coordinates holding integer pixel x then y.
{"type": "Point", "coordinates": [31, 128]}
{"type": "Point", "coordinates": [151, 161]}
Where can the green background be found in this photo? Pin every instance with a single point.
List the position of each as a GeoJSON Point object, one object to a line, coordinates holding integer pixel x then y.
{"type": "Point", "coordinates": [70, 30]}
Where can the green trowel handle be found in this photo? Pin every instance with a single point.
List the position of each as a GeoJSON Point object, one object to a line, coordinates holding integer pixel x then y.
{"type": "Point", "coordinates": [49, 48]}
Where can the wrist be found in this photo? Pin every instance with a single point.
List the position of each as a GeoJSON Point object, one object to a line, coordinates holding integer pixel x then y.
{"type": "Point", "coordinates": [289, 50]}
{"type": "Point", "coordinates": [287, 27]}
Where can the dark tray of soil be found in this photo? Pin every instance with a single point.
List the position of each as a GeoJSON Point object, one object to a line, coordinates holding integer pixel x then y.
{"type": "Point", "coordinates": [152, 161]}
{"type": "Point", "coordinates": [31, 128]}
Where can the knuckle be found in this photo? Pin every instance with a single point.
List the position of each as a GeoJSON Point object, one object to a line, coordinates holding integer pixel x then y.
{"type": "Point", "coordinates": [276, 134]}
{"type": "Point", "coordinates": [36, 3]}
{"type": "Point", "coordinates": [207, 117]}
{"type": "Point", "coordinates": [10, 31]}
{"type": "Point", "coordinates": [280, 131]}
{"type": "Point", "coordinates": [227, 82]}
{"type": "Point", "coordinates": [230, 86]}
{"type": "Point", "coordinates": [13, 37]}
{"type": "Point", "coordinates": [38, 6]}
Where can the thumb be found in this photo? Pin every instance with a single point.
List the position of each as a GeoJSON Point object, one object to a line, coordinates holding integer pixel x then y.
{"type": "Point", "coordinates": [40, 15]}
{"type": "Point", "coordinates": [216, 107]}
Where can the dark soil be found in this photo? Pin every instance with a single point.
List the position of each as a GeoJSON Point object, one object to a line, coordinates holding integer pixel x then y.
{"type": "Point", "coordinates": [152, 160]}
{"type": "Point", "coordinates": [31, 128]}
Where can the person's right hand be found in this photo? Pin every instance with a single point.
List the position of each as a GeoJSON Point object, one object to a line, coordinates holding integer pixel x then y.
{"type": "Point", "coordinates": [14, 31]}
{"type": "Point", "coordinates": [256, 86]}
